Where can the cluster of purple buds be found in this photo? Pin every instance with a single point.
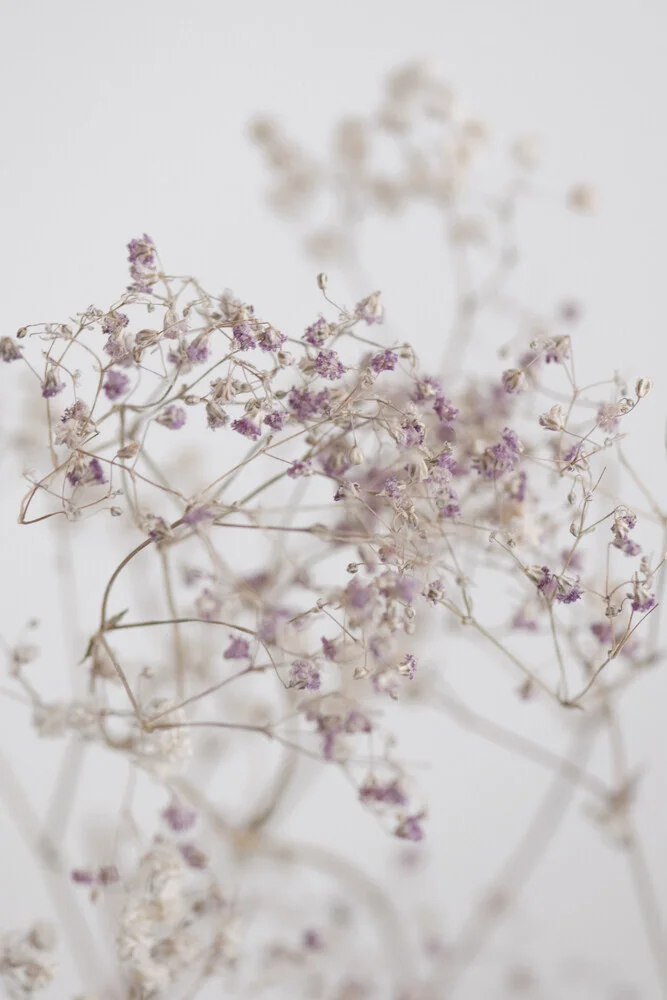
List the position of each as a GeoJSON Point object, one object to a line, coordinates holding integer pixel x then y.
{"type": "Point", "coordinates": [332, 726]}
{"type": "Point", "coordinates": [624, 522]}
{"type": "Point", "coordinates": [246, 427]}
{"type": "Point", "coordinates": [243, 337]}
{"type": "Point", "coordinates": [328, 365]}
{"type": "Point", "coordinates": [499, 458]}
{"type": "Point", "coordinates": [304, 676]}
{"type": "Point", "coordinates": [317, 334]}
{"type": "Point", "coordinates": [178, 817]}
{"type": "Point", "coordinates": [51, 385]}
{"type": "Point", "coordinates": [84, 472]}
{"type": "Point", "coordinates": [553, 586]}
{"type": "Point", "coordinates": [385, 361]}
{"type": "Point", "coordinates": [142, 258]}
{"type": "Point", "coordinates": [115, 385]}
{"type": "Point", "coordinates": [172, 417]}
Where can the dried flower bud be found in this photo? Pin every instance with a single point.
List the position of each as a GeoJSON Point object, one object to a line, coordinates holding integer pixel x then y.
{"type": "Point", "coordinates": [322, 281]}
{"type": "Point", "coordinates": [626, 404]}
{"type": "Point", "coordinates": [552, 420]}
{"type": "Point", "coordinates": [582, 198]}
{"type": "Point", "coordinates": [514, 380]}
{"type": "Point", "coordinates": [643, 387]}
{"type": "Point", "coordinates": [356, 455]}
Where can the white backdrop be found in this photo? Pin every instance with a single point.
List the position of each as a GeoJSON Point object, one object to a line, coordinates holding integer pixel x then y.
{"type": "Point", "coordinates": [125, 117]}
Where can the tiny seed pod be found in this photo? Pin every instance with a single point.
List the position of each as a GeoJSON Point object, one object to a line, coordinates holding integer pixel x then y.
{"type": "Point", "coordinates": [352, 568]}
{"type": "Point", "coordinates": [322, 281]}
{"type": "Point", "coordinates": [356, 455]}
{"type": "Point", "coordinates": [643, 387]}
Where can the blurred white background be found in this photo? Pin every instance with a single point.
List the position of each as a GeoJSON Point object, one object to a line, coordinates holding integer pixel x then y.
{"type": "Point", "coordinates": [125, 117]}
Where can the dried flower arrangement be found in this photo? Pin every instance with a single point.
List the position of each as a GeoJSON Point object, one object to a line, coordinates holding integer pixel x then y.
{"type": "Point", "coordinates": [347, 503]}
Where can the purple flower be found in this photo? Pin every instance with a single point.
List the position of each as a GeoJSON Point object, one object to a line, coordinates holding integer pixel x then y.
{"type": "Point", "coordinates": [410, 828]}
{"type": "Point", "coordinates": [306, 405]}
{"type": "Point", "coordinates": [270, 339]}
{"type": "Point", "coordinates": [141, 255]}
{"type": "Point", "coordinates": [558, 350]}
{"type": "Point", "coordinates": [276, 420]}
{"type": "Point", "coordinates": [179, 818]}
{"type": "Point", "coordinates": [413, 431]}
{"type": "Point", "coordinates": [445, 410]}
{"type": "Point", "coordinates": [390, 793]}
{"type": "Point", "coordinates": [385, 361]}
{"type": "Point", "coordinates": [499, 458]}
{"type": "Point", "coordinates": [193, 856]}
{"type": "Point", "coordinates": [328, 365]}
{"type": "Point", "coordinates": [299, 469]}
{"type": "Point", "coordinates": [370, 309]}
{"type": "Point", "coordinates": [114, 323]}
{"type": "Point", "coordinates": [357, 596]}
{"type": "Point", "coordinates": [405, 588]}
{"type": "Point", "coordinates": [198, 349]}
{"type": "Point", "coordinates": [83, 876]}
{"type": "Point", "coordinates": [51, 386]}
{"type": "Point", "coordinates": [391, 487]}
{"type": "Point", "coordinates": [427, 387]}
{"type": "Point", "coordinates": [356, 722]}
{"type": "Point", "coordinates": [642, 599]}
{"type": "Point", "coordinates": [335, 461]}
{"type": "Point", "coordinates": [243, 338]}
{"type": "Point", "coordinates": [200, 512]}
{"type": "Point", "coordinates": [172, 417]}
{"type": "Point", "coordinates": [602, 632]}
{"type": "Point", "coordinates": [435, 591]}
{"type": "Point", "coordinates": [408, 666]}
{"type": "Point", "coordinates": [569, 593]}
{"type": "Point", "coordinates": [247, 428]}
{"type": "Point", "coordinates": [448, 505]}
{"type": "Point", "coordinates": [318, 333]}
{"type": "Point", "coordinates": [628, 546]}
{"type": "Point", "coordinates": [106, 875]}
{"type": "Point", "coordinates": [118, 350]}
{"type": "Point", "coordinates": [9, 351]}
{"type": "Point", "coordinates": [115, 385]}
{"type": "Point", "coordinates": [82, 473]}
{"type": "Point", "coordinates": [547, 584]}
{"type": "Point", "coordinates": [521, 621]}
{"type": "Point", "coordinates": [514, 380]}
{"type": "Point", "coordinates": [142, 251]}
{"type": "Point", "coordinates": [328, 648]}
{"type": "Point", "coordinates": [238, 649]}
{"type": "Point", "coordinates": [304, 676]}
